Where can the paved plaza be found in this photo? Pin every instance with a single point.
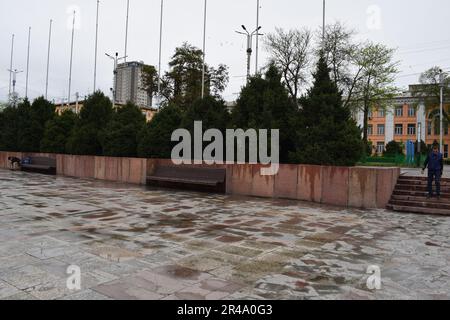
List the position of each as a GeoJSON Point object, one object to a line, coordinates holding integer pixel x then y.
{"type": "Point", "coordinates": [131, 242]}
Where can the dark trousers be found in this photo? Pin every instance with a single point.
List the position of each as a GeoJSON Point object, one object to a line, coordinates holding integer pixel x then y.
{"type": "Point", "coordinates": [436, 176]}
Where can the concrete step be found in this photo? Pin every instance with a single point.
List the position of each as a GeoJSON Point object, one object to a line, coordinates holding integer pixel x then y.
{"type": "Point", "coordinates": [419, 188]}
{"type": "Point", "coordinates": [420, 183]}
{"type": "Point", "coordinates": [410, 193]}
{"type": "Point", "coordinates": [421, 198]}
{"type": "Point", "coordinates": [423, 194]}
{"type": "Point", "coordinates": [421, 210]}
{"type": "Point", "coordinates": [422, 204]}
{"type": "Point", "coordinates": [420, 178]}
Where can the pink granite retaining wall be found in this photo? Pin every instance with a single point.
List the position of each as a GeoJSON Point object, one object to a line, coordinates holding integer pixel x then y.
{"type": "Point", "coordinates": [4, 163]}
{"type": "Point", "coordinates": [358, 187]}
{"type": "Point", "coordinates": [127, 170]}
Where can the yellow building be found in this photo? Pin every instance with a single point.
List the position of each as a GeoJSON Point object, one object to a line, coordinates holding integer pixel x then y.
{"type": "Point", "coordinates": [76, 107]}
{"type": "Point", "coordinates": [407, 119]}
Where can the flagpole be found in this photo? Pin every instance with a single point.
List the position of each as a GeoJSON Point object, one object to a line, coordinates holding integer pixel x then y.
{"type": "Point", "coordinates": [324, 19]}
{"type": "Point", "coordinates": [257, 36]}
{"type": "Point", "coordinates": [71, 57]}
{"type": "Point", "coordinates": [204, 50]}
{"type": "Point", "coordinates": [96, 47]}
{"type": "Point", "coordinates": [28, 62]}
{"type": "Point", "coordinates": [126, 30]}
{"type": "Point", "coordinates": [48, 58]}
{"type": "Point", "coordinates": [160, 46]}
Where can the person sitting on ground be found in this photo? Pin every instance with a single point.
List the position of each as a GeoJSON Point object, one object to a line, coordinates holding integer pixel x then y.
{"type": "Point", "coordinates": [435, 164]}
{"type": "Point", "coordinates": [14, 162]}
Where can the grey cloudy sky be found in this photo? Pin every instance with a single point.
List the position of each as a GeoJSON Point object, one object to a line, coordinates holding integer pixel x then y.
{"type": "Point", "coordinates": [418, 28]}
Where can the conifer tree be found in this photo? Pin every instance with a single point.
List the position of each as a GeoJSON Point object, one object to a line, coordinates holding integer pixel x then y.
{"type": "Point", "coordinates": [327, 134]}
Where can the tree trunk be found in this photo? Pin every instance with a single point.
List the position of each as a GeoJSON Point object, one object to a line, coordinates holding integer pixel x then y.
{"type": "Point", "coordinates": [366, 123]}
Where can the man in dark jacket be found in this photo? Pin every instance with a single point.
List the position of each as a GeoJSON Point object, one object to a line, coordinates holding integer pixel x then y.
{"type": "Point", "coordinates": [435, 164]}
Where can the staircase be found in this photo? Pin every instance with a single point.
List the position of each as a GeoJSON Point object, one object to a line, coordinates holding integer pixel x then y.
{"type": "Point", "coordinates": [410, 195]}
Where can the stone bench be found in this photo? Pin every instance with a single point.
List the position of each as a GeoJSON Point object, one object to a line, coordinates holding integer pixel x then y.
{"type": "Point", "coordinates": [192, 178]}
{"type": "Point", "coordinates": [40, 165]}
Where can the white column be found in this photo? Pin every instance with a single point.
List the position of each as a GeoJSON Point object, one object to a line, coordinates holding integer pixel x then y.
{"type": "Point", "coordinates": [422, 118]}
{"type": "Point", "coordinates": [389, 126]}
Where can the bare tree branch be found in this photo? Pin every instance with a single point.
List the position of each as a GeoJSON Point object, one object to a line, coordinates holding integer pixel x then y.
{"type": "Point", "coordinates": [291, 53]}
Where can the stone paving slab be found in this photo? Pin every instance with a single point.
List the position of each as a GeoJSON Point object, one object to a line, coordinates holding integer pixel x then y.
{"type": "Point", "coordinates": [142, 243]}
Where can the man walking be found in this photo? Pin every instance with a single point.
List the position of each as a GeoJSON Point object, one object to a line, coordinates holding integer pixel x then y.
{"type": "Point", "coordinates": [435, 164]}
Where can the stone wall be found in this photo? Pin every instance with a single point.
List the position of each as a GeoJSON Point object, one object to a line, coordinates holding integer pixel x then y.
{"type": "Point", "coordinates": [127, 170]}
{"type": "Point", "coordinates": [358, 187]}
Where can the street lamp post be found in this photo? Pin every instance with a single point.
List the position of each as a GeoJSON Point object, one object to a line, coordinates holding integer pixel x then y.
{"type": "Point", "coordinates": [11, 64]}
{"type": "Point", "coordinates": [13, 95]}
{"type": "Point", "coordinates": [249, 46]}
{"type": "Point", "coordinates": [441, 84]}
{"type": "Point", "coordinates": [204, 49]}
{"type": "Point", "coordinates": [116, 60]}
{"type": "Point", "coordinates": [419, 143]}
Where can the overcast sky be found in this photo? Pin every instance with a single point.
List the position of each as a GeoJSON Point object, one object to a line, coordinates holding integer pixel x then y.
{"type": "Point", "coordinates": [418, 28]}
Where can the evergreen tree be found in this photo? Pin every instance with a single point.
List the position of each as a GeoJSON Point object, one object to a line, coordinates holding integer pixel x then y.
{"type": "Point", "coordinates": [97, 110]}
{"type": "Point", "coordinates": [22, 127]}
{"type": "Point", "coordinates": [211, 111]}
{"type": "Point", "coordinates": [32, 123]}
{"type": "Point", "coordinates": [57, 132]}
{"type": "Point", "coordinates": [393, 148]}
{"type": "Point", "coordinates": [94, 116]}
{"type": "Point", "coordinates": [9, 129]}
{"type": "Point", "coordinates": [327, 134]}
{"type": "Point", "coordinates": [84, 140]}
{"type": "Point", "coordinates": [265, 104]}
{"type": "Point", "coordinates": [120, 137]}
{"type": "Point", "coordinates": [182, 84]}
{"type": "Point", "coordinates": [155, 138]}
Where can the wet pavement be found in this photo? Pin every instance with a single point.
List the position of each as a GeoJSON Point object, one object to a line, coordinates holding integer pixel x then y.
{"type": "Point", "coordinates": [136, 243]}
{"type": "Point", "coordinates": [417, 172]}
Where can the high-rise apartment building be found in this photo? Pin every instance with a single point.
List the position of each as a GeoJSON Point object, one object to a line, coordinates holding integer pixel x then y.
{"type": "Point", "coordinates": [129, 85]}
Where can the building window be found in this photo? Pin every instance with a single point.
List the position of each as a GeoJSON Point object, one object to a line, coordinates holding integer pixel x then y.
{"type": "Point", "coordinates": [398, 129]}
{"type": "Point", "coordinates": [411, 129]}
{"type": "Point", "coordinates": [381, 113]}
{"type": "Point", "coordinates": [446, 151]}
{"type": "Point", "coordinates": [437, 130]}
{"type": "Point", "coordinates": [429, 128]}
{"type": "Point", "coordinates": [399, 111]}
{"type": "Point", "coordinates": [370, 130]}
{"type": "Point", "coordinates": [411, 112]}
{"type": "Point", "coordinates": [370, 114]}
{"type": "Point", "coordinates": [380, 129]}
{"type": "Point", "coordinates": [380, 147]}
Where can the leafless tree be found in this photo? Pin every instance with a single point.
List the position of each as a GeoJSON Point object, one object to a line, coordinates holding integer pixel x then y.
{"type": "Point", "coordinates": [290, 51]}
{"type": "Point", "coordinates": [343, 55]}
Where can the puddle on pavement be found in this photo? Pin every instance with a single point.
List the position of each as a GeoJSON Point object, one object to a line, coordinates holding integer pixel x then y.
{"type": "Point", "coordinates": [179, 272]}
{"type": "Point", "coordinates": [100, 215]}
